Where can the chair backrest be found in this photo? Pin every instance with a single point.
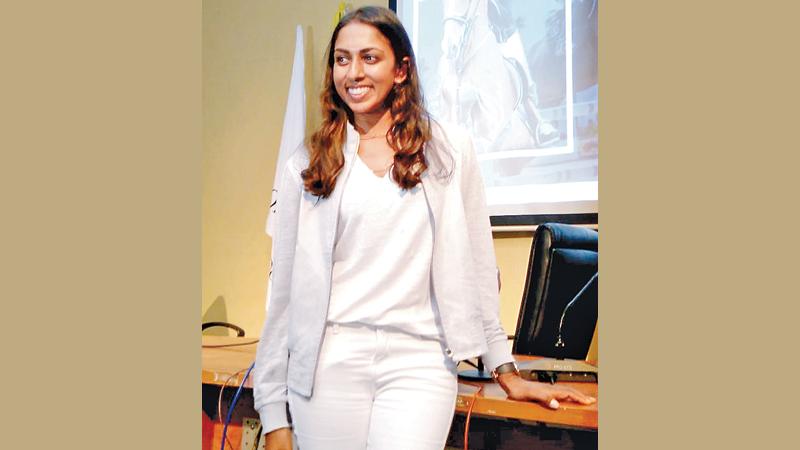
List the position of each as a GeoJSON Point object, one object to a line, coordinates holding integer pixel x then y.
{"type": "Point", "coordinates": [239, 331]}
{"type": "Point", "coordinates": [563, 261]}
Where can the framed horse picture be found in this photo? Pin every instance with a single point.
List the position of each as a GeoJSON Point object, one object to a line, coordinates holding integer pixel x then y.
{"type": "Point", "coordinates": [521, 76]}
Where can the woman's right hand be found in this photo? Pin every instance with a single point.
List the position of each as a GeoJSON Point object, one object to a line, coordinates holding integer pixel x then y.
{"type": "Point", "coordinates": [278, 439]}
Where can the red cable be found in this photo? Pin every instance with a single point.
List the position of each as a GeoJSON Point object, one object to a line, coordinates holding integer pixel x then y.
{"type": "Point", "coordinates": [469, 411]}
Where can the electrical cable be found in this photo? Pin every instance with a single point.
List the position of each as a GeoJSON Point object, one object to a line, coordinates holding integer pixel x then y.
{"type": "Point", "coordinates": [233, 405]}
{"type": "Point", "coordinates": [228, 441]}
{"type": "Point", "coordinates": [219, 400]}
{"type": "Point", "coordinates": [475, 395]}
{"type": "Point", "coordinates": [222, 389]}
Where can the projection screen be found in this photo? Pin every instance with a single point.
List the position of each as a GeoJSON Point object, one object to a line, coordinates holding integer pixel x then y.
{"type": "Point", "coordinates": [521, 76]}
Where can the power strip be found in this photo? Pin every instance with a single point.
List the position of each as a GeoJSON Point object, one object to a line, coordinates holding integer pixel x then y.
{"type": "Point", "coordinates": [251, 439]}
{"type": "Point", "coordinates": [250, 428]}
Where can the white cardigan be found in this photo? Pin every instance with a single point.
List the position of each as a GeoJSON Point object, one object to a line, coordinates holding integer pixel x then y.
{"type": "Point", "coordinates": [463, 270]}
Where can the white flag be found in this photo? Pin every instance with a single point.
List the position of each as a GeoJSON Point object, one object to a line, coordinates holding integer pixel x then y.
{"type": "Point", "coordinates": [294, 124]}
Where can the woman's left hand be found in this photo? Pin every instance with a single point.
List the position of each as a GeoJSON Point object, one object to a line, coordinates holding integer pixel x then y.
{"type": "Point", "coordinates": [549, 395]}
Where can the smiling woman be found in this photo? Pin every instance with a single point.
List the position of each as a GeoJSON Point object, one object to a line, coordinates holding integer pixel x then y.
{"type": "Point", "coordinates": [370, 82]}
{"type": "Point", "coordinates": [365, 71]}
{"type": "Point", "coordinates": [380, 285]}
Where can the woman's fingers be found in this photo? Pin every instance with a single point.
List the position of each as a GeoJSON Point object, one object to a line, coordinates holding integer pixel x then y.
{"type": "Point", "coordinates": [549, 395]}
{"type": "Point", "coordinates": [567, 393]}
{"type": "Point", "coordinates": [539, 392]}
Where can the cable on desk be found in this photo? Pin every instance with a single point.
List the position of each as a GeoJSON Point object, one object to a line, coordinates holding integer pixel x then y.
{"type": "Point", "coordinates": [230, 345]}
{"type": "Point", "coordinates": [219, 400]}
{"type": "Point", "coordinates": [469, 411]}
{"type": "Point", "coordinates": [230, 446]}
{"type": "Point", "coordinates": [233, 405]}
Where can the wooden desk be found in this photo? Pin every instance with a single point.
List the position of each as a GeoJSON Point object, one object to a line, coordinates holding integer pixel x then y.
{"type": "Point", "coordinates": [219, 364]}
{"type": "Point", "coordinates": [495, 403]}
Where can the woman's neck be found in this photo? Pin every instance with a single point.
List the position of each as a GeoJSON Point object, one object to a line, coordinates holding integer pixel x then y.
{"type": "Point", "coordinates": [373, 124]}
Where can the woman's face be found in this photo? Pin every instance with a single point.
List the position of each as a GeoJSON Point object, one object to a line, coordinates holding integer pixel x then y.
{"type": "Point", "coordinates": [364, 68]}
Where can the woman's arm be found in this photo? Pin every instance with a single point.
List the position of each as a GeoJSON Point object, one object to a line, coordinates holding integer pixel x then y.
{"type": "Point", "coordinates": [484, 260]}
{"type": "Point", "coordinates": [272, 355]}
{"type": "Point", "coordinates": [482, 249]}
{"type": "Point", "coordinates": [518, 388]}
{"type": "Point", "coordinates": [279, 439]}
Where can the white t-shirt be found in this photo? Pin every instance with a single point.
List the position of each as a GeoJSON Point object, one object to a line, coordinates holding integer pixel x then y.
{"type": "Point", "coordinates": [382, 256]}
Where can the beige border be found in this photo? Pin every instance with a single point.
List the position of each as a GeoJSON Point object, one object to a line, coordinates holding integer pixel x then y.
{"type": "Point", "coordinates": [101, 197]}
{"type": "Point", "coordinates": [101, 224]}
{"type": "Point", "coordinates": [697, 255]}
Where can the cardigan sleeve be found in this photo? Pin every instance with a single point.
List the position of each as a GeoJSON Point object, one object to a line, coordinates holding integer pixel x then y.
{"type": "Point", "coordinates": [484, 260]}
{"type": "Point", "coordinates": [272, 355]}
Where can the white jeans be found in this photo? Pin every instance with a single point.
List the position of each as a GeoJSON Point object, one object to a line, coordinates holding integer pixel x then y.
{"type": "Point", "coordinates": [376, 389]}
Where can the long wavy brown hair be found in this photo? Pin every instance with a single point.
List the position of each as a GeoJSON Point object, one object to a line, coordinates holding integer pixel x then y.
{"type": "Point", "coordinates": [411, 127]}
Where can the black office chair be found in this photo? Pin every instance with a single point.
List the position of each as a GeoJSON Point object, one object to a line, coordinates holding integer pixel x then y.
{"type": "Point", "coordinates": [558, 313]}
{"type": "Point", "coordinates": [239, 331]}
{"type": "Point", "coordinates": [560, 294]}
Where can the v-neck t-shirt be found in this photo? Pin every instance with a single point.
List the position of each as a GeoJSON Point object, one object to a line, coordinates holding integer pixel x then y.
{"type": "Point", "coordinates": [382, 256]}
